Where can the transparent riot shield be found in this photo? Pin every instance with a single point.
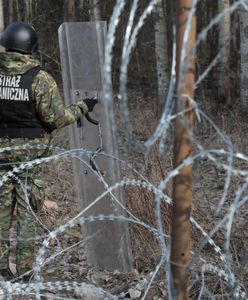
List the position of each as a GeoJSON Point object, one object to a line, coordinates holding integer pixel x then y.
{"type": "Point", "coordinates": [82, 53]}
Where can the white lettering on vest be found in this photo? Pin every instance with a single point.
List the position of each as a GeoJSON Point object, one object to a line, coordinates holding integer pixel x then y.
{"type": "Point", "coordinates": [5, 90]}
{"type": "Point", "coordinates": [26, 96]}
{"type": "Point", "coordinates": [17, 94]}
{"type": "Point", "coordinates": [10, 89]}
{"type": "Point", "coordinates": [10, 81]}
{"type": "Point", "coordinates": [18, 79]}
{"type": "Point", "coordinates": [12, 95]}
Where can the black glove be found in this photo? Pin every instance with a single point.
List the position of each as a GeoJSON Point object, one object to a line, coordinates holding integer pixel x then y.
{"type": "Point", "coordinates": [90, 102]}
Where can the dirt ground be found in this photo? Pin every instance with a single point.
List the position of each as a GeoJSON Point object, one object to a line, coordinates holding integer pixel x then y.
{"type": "Point", "coordinates": [208, 186]}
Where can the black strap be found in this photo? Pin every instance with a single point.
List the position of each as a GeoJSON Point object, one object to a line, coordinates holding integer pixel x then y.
{"type": "Point", "coordinates": [28, 79]}
{"type": "Point", "coordinates": [33, 72]}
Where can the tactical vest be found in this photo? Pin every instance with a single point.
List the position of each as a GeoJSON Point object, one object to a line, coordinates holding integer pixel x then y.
{"type": "Point", "coordinates": [18, 115]}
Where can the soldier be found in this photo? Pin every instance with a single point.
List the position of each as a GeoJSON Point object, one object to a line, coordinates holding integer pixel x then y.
{"type": "Point", "coordinates": [30, 109]}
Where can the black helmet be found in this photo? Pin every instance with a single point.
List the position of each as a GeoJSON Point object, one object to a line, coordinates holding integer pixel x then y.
{"type": "Point", "coordinates": [20, 37]}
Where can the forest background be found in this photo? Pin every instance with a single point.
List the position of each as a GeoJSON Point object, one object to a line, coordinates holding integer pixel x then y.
{"type": "Point", "coordinates": [221, 95]}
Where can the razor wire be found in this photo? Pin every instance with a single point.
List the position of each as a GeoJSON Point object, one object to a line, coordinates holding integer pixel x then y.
{"type": "Point", "coordinates": [223, 268]}
{"type": "Point", "coordinates": [123, 183]}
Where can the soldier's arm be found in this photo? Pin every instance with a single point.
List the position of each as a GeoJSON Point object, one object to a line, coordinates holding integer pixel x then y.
{"type": "Point", "coordinates": [49, 103]}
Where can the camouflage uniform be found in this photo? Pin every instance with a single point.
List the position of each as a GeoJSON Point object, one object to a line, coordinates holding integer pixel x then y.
{"type": "Point", "coordinates": [52, 112]}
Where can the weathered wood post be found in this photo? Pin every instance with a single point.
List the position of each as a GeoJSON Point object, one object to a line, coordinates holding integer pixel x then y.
{"type": "Point", "coordinates": [82, 53]}
{"type": "Point", "coordinates": [182, 184]}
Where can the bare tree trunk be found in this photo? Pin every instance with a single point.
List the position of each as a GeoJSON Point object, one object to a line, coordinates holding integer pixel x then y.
{"type": "Point", "coordinates": [243, 16]}
{"type": "Point", "coordinates": [1, 16]}
{"type": "Point", "coordinates": [35, 7]}
{"type": "Point", "coordinates": [1, 21]}
{"type": "Point", "coordinates": [69, 10]}
{"type": "Point", "coordinates": [16, 3]}
{"type": "Point", "coordinates": [95, 10]}
{"type": "Point", "coordinates": [81, 4]}
{"type": "Point", "coordinates": [161, 48]}
{"type": "Point", "coordinates": [182, 183]}
{"type": "Point", "coordinates": [224, 66]}
{"type": "Point", "coordinates": [28, 11]}
{"type": "Point", "coordinates": [11, 11]}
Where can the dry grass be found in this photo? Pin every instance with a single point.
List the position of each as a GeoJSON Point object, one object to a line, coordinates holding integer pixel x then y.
{"type": "Point", "coordinates": [208, 184]}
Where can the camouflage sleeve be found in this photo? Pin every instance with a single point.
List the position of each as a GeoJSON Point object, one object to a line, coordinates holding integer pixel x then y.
{"type": "Point", "coordinates": [49, 103]}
